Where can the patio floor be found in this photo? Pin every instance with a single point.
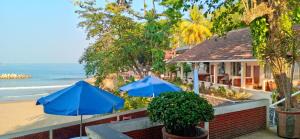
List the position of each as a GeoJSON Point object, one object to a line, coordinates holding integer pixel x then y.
{"type": "Point", "coordinates": [264, 134]}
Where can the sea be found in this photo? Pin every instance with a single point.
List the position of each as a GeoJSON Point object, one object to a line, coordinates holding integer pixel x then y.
{"type": "Point", "coordinates": [46, 79]}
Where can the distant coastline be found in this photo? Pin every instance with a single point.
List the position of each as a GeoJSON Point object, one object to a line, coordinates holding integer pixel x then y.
{"type": "Point", "coordinates": [45, 78]}
{"type": "Point", "coordinates": [14, 76]}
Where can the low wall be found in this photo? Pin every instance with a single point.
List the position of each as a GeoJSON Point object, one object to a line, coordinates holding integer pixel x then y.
{"type": "Point", "coordinates": [71, 129]}
{"type": "Point", "coordinates": [234, 124]}
{"type": "Point", "coordinates": [230, 121]}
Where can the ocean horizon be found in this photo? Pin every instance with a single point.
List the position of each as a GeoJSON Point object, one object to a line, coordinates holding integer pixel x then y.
{"type": "Point", "coordinates": [46, 78]}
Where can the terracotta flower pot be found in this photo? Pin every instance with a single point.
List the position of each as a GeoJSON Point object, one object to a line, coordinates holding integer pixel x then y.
{"type": "Point", "coordinates": [202, 134]}
{"type": "Point", "coordinates": [288, 125]}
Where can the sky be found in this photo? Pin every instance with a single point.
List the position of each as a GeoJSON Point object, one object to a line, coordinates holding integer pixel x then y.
{"type": "Point", "coordinates": [42, 31]}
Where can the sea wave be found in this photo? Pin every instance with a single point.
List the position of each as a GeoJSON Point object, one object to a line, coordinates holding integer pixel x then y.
{"type": "Point", "coordinates": [33, 87]}
{"type": "Point", "coordinates": [69, 78]}
{"type": "Point", "coordinates": [25, 96]}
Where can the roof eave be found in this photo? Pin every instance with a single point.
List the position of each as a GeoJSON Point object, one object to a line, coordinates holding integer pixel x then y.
{"type": "Point", "coordinates": [231, 60]}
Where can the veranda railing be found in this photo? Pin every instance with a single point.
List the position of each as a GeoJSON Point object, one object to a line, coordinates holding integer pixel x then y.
{"type": "Point", "coordinates": [272, 111]}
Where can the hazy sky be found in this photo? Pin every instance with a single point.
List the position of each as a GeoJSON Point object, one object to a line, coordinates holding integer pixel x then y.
{"type": "Point", "coordinates": [42, 31]}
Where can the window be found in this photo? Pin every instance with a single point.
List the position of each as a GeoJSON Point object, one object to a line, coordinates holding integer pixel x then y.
{"type": "Point", "coordinates": [268, 72]}
{"type": "Point", "coordinates": [221, 68]}
{"type": "Point", "coordinates": [297, 71]}
{"type": "Point", "coordinates": [236, 68]}
{"type": "Point", "coordinates": [204, 67]}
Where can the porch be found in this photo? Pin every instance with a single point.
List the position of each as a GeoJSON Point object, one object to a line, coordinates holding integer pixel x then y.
{"type": "Point", "coordinates": [238, 73]}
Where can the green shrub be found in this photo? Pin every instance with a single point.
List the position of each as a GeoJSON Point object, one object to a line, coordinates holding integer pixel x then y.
{"type": "Point", "coordinates": [222, 91]}
{"type": "Point", "coordinates": [130, 80]}
{"type": "Point", "coordinates": [132, 103]}
{"type": "Point", "coordinates": [228, 93]}
{"type": "Point", "coordinates": [120, 81]}
{"type": "Point", "coordinates": [190, 86]}
{"type": "Point", "coordinates": [180, 112]}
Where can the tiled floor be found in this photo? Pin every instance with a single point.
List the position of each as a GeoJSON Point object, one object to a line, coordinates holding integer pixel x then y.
{"type": "Point", "coordinates": [264, 134]}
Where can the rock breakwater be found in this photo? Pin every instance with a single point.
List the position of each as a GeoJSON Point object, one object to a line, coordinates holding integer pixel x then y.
{"type": "Point", "coordinates": [14, 76]}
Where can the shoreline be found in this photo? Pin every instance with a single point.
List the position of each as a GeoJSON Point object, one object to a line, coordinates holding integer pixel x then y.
{"type": "Point", "coordinates": [5, 101]}
{"type": "Point", "coordinates": [16, 101]}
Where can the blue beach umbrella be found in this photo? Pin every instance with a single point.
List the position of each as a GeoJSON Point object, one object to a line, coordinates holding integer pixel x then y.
{"type": "Point", "coordinates": [80, 99]}
{"type": "Point", "coordinates": [149, 86]}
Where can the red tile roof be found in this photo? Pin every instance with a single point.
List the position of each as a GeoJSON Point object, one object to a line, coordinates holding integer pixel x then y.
{"type": "Point", "coordinates": [234, 46]}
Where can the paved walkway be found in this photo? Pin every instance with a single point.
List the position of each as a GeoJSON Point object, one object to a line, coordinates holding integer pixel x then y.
{"type": "Point", "coordinates": [264, 134]}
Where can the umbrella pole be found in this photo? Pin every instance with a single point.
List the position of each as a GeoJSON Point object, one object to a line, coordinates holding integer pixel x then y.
{"type": "Point", "coordinates": [80, 126]}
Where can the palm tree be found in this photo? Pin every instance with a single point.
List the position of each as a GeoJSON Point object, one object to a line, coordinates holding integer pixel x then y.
{"type": "Point", "coordinates": [196, 29]}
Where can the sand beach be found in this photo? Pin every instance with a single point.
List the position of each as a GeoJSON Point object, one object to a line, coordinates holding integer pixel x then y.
{"type": "Point", "coordinates": [24, 115]}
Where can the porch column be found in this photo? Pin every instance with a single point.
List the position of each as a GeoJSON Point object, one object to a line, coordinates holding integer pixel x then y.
{"type": "Point", "coordinates": [216, 73]}
{"type": "Point", "coordinates": [262, 79]}
{"type": "Point", "coordinates": [252, 74]}
{"type": "Point", "coordinates": [196, 80]}
{"type": "Point", "coordinates": [243, 75]}
{"type": "Point", "coordinates": [181, 71]}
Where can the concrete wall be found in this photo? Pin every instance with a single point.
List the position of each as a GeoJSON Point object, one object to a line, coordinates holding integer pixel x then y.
{"type": "Point", "coordinates": [230, 121]}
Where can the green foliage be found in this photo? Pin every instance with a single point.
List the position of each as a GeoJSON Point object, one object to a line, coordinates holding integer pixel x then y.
{"type": "Point", "coordinates": [227, 18]}
{"type": "Point", "coordinates": [274, 96]}
{"type": "Point", "coordinates": [173, 11]}
{"type": "Point", "coordinates": [171, 68]}
{"type": "Point", "coordinates": [158, 61]}
{"type": "Point", "coordinates": [130, 80]}
{"type": "Point", "coordinates": [180, 111]}
{"type": "Point", "coordinates": [120, 81]}
{"type": "Point", "coordinates": [194, 30]}
{"type": "Point", "coordinates": [222, 91]}
{"type": "Point", "coordinates": [187, 68]}
{"type": "Point", "coordinates": [132, 103]}
{"type": "Point", "coordinates": [259, 32]}
{"type": "Point", "coordinates": [296, 15]}
{"type": "Point", "coordinates": [156, 32]}
{"type": "Point", "coordinates": [120, 42]}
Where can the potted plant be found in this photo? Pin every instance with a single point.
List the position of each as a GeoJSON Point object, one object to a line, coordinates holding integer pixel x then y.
{"type": "Point", "coordinates": [288, 121]}
{"type": "Point", "coordinates": [181, 113]}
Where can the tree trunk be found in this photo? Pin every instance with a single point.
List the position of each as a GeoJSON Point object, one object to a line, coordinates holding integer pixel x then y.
{"type": "Point", "coordinates": [145, 6]}
{"type": "Point", "coordinates": [284, 88]}
{"type": "Point", "coordinates": [153, 4]}
{"type": "Point", "coordinates": [280, 66]}
{"type": "Point", "coordinates": [135, 65]}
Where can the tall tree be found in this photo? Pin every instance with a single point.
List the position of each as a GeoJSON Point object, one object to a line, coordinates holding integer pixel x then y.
{"type": "Point", "coordinates": [196, 29]}
{"type": "Point", "coordinates": [192, 31]}
{"type": "Point", "coordinates": [274, 39]}
{"type": "Point", "coordinates": [121, 43]}
{"type": "Point", "coordinates": [271, 23]}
